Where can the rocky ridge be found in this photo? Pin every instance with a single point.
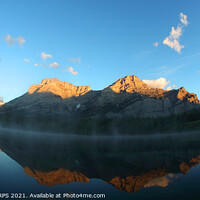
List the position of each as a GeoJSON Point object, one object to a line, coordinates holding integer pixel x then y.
{"type": "Point", "coordinates": [128, 96]}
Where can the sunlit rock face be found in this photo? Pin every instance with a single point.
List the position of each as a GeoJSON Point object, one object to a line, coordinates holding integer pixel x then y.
{"type": "Point", "coordinates": [59, 88]}
{"type": "Point", "coordinates": [128, 96]}
{"type": "Point", "coordinates": [132, 84]}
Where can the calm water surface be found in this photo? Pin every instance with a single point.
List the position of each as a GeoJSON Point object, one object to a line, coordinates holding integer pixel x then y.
{"type": "Point", "coordinates": [153, 167]}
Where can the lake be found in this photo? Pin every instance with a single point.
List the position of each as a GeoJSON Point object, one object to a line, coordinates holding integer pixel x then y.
{"type": "Point", "coordinates": [137, 167]}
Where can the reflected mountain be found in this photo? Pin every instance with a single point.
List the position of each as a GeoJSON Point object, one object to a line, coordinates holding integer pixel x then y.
{"type": "Point", "coordinates": [128, 163]}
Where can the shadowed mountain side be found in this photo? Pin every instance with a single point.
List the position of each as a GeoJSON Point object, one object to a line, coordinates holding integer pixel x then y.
{"type": "Point", "coordinates": [80, 159]}
{"type": "Point", "coordinates": [128, 96]}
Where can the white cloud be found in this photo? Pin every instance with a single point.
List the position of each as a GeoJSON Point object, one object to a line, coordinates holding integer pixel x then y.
{"type": "Point", "coordinates": [54, 65]}
{"type": "Point", "coordinates": [71, 70]}
{"type": "Point", "coordinates": [45, 56]}
{"type": "Point", "coordinates": [173, 39]}
{"type": "Point", "coordinates": [11, 41]}
{"type": "Point", "coordinates": [158, 83]}
{"type": "Point", "coordinates": [169, 88]}
{"type": "Point", "coordinates": [27, 60]}
{"type": "Point", "coordinates": [75, 60]}
{"type": "Point", "coordinates": [198, 71]}
{"type": "Point", "coordinates": [158, 182]}
{"type": "Point", "coordinates": [20, 41]}
{"type": "Point", "coordinates": [155, 44]}
{"type": "Point", "coordinates": [183, 19]}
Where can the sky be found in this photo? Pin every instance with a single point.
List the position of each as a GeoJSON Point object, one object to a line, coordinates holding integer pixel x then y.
{"type": "Point", "coordinates": [96, 42]}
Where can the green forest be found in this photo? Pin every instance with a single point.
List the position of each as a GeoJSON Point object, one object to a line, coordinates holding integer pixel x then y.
{"type": "Point", "coordinates": [105, 126]}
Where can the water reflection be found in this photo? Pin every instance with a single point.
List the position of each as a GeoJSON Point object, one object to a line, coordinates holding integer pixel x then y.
{"type": "Point", "coordinates": [128, 164]}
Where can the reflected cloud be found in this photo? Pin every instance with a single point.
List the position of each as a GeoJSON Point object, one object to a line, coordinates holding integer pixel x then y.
{"type": "Point", "coordinates": [159, 182]}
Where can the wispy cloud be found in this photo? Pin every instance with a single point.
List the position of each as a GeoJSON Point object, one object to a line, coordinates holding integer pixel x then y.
{"type": "Point", "coordinates": [21, 41]}
{"type": "Point", "coordinates": [54, 65]}
{"type": "Point", "coordinates": [158, 83]}
{"type": "Point", "coordinates": [173, 39]}
{"type": "Point", "coordinates": [27, 60]}
{"type": "Point", "coordinates": [183, 19]}
{"type": "Point", "coordinates": [71, 70]}
{"type": "Point", "coordinates": [45, 56]}
{"type": "Point", "coordinates": [11, 41]}
{"type": "Point", "coordinates": [75, 60]}
{"type": "Point", "coordinates": [198, 71]}
{"type": "Point", "coordinates": [155, 44]}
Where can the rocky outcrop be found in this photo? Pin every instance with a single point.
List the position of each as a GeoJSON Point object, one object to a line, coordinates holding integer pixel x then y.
{"type": "Point", "coordinates": [128, 96]}
{"type": "Point", "coordinates": [59, 88]}
{"type": "Point", "coordinates": [132, 84]}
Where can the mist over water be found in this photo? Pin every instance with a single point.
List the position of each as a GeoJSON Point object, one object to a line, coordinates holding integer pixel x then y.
{"type": "Point", "coordinates": [122, 167]}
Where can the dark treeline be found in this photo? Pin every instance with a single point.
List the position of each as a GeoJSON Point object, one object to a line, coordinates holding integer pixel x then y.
{"type": "Point", "coordinates": [108, 126]}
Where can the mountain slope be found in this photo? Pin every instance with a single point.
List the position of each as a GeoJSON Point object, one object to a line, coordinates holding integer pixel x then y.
{"type": "Point", "coordinates": [128, 96]}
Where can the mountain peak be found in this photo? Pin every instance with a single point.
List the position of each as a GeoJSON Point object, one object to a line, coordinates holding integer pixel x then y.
{"type": "Point", "coordinates": [49, 80]}
{"type": "Point", "coordinates": [130, 84]}
{"type": "Point", "coordinates": [59, 88]}
{"type": "Point", "coordinates": [184, 94]}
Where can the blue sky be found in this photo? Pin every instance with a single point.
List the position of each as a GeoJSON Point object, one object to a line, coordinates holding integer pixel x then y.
{"type": "Point", "coordinates": [95, 42]}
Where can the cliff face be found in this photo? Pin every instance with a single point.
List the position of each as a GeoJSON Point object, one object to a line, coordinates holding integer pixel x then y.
{"type": "Point", "coordinates": [128, 96]}
{"type": "Point", "coordinates": [59, 88]}
{"type": "Point", "coordinates": [132, 84]}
